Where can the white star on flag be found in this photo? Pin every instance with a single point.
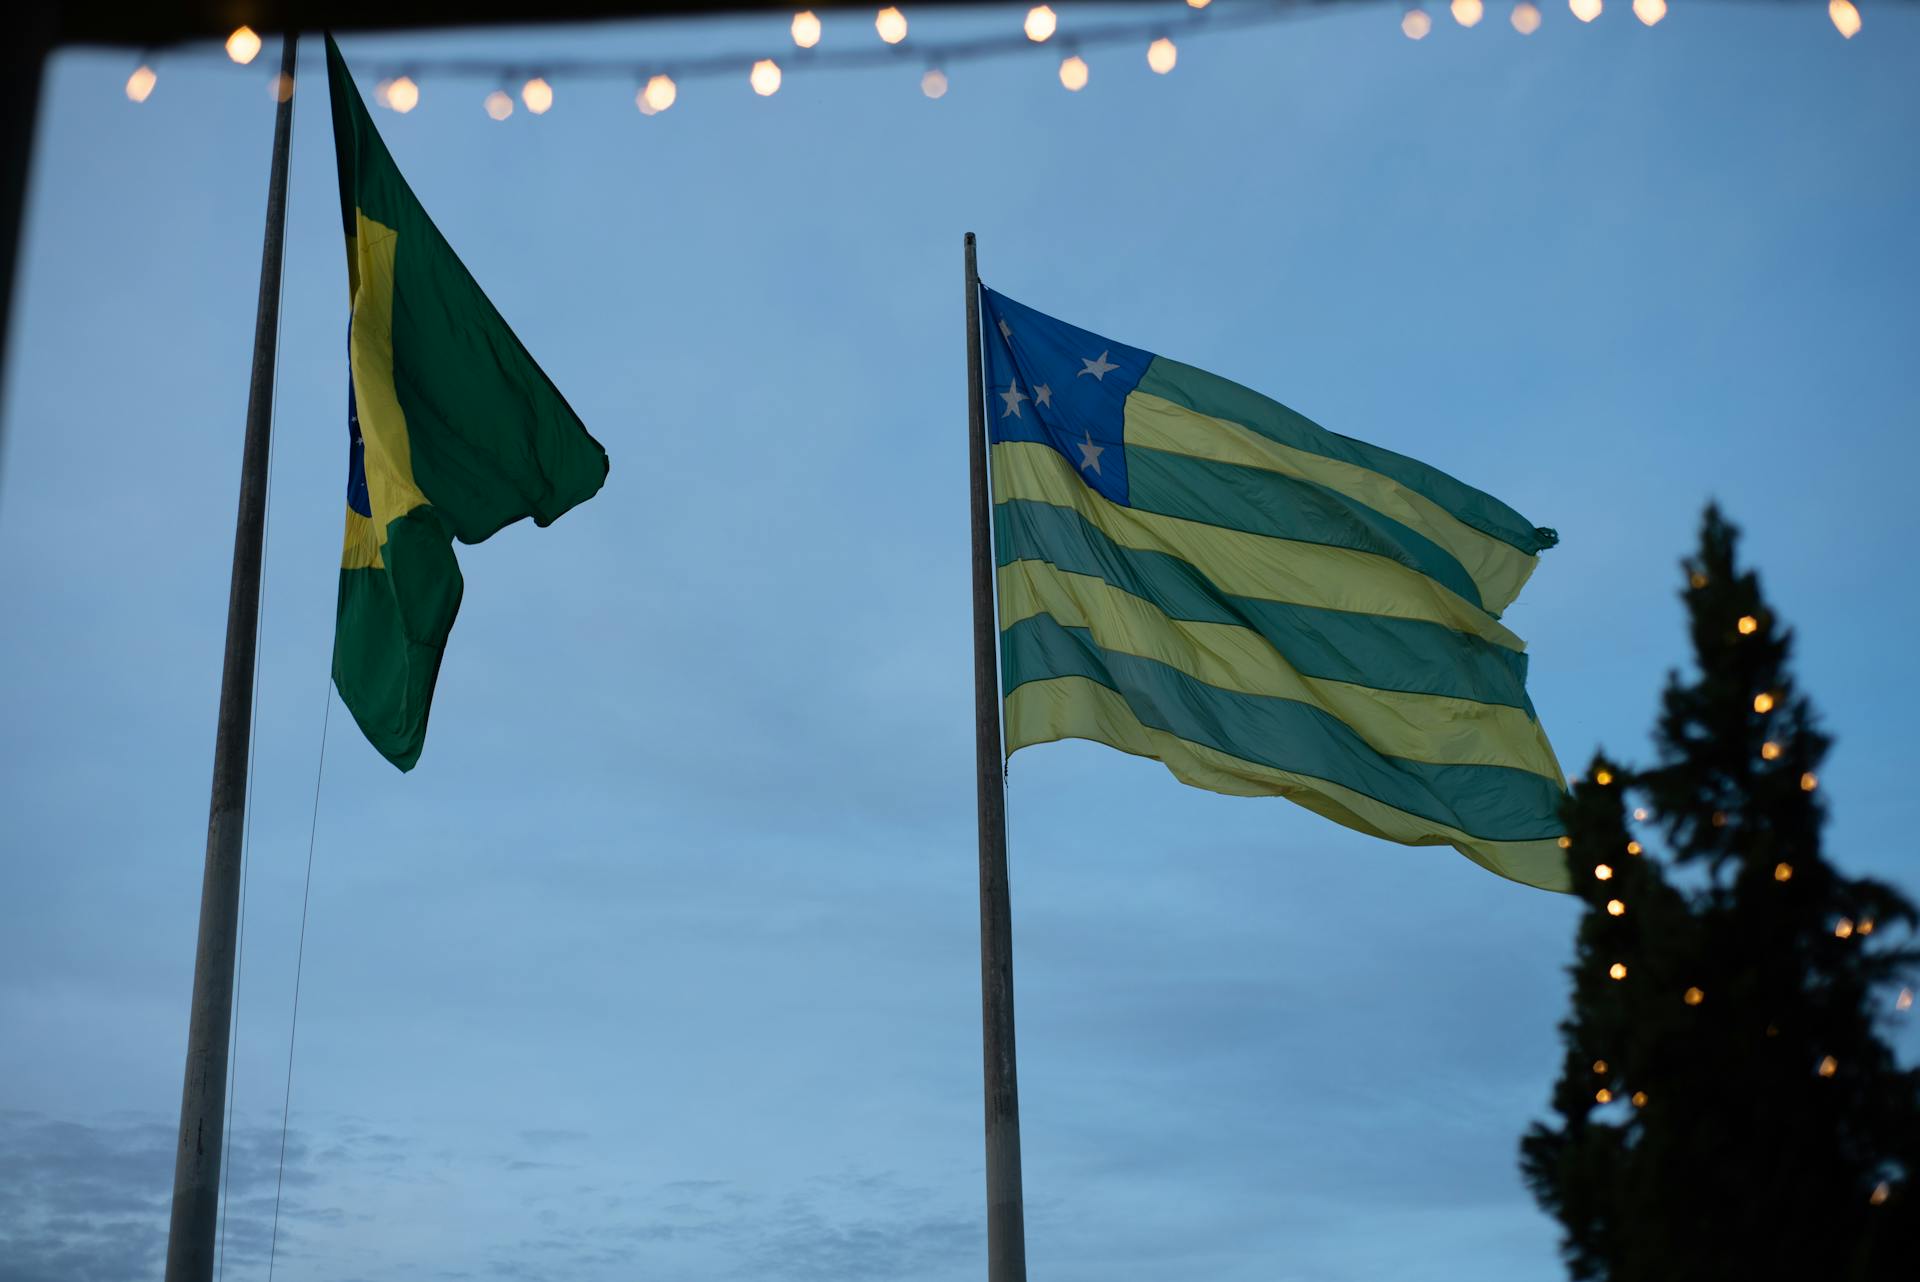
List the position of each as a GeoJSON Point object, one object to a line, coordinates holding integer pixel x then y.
{"type": "Point", "coordinates": [1012, 396]}
{"type": "Point", "coordinates": [1043, 395]}
{"type": "Point", "coordinates": [1097, 367]}
{"type": "Point", "coordinates": [1090, 454]}
{"type": "Point", "coordinates": [1006, 330]}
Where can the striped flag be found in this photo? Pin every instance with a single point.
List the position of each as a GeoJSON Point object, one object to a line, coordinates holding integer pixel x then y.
{"type": "Point", "coordinates": [1191, 572]}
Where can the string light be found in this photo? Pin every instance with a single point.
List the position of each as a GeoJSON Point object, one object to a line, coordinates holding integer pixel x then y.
{"type": "Point", "coordinates": [1828, 1066]}
{"type": "Point", "coordinates": [1879, 1195]}
{"type": "Point", "coordinates": [1073, 73]}
{"type": "Point", "coordinates": [538, 95]}
{"type": "Point", "coordinates": [1615, 908]}
{"type": "Point", "coordinates": [1904, 1002]}
{"type": "Point", "coordinates": [1599, 1066]}
{"type": "Point", "coordinates": [1617, 971]}
{"type": "Point", "coordinates": [281, 87]}
{"type": "Point", "coordinates": [1603, 871]}
{"type": "Point", "coordinates": [140, 83]}
{"type": "Point", "coordinates": [1693, 997]}
{"type": "Point", "coordinates": [1641, 814]}
{"type": "Point", "coordinates": [1763, 702]}
{"type": "Point", "coordinates": [1415, 23]}
{"type": "Point", "coordinates": [1783, 872]}
{"type": "Point", "coordinates": [1468, 12]}
{"type": "Point", "coordinates": [806, 29]}
{"type": "Point", "coordinates": [1698, 580]}
{"type": "Point", "coordinates": [499, 104]}
{"type": "Point", "coordinates": [243, 46]}
{"type": "Point", "coordinates": [1565, 843]}
{"type": "Point", "coordinates": [934, 83]}
{"type": "Point", "coordinates": [1866, 926]}
{"type": "Point", "coordinates": [765, 77]}
{"type": "Point", "coordinates": [1639, 1099]}
{"type": "Point", "coordinates": [1748, 625]}
{"type": "Point", "coordinates": [1846, 18]}
{"type": "Point", "coordinates": [1585, 10]}
{"type": "Point", "coordinates": [1809, 781]}
{"type": "Point", "coordinates": [403, 95]}
{"type": "Point", "coordinates": [1769, 750]}
{"type": "Point", "coordinates": [380, 93]}
{"type": "Point", "coordinates": [1649, 11]}
{"type": "Point", "coordinates": [657, 95]}
{"type": "Point", "coordinates": [1633, 847]}
{"type": "Point", "coordinates": [891, 24]}
{"type": "Point", "coordinates": [1843, 928]}
{"type": "Point", "coordinates": [1041, 24]}
{"type": "Point", "coordinates": [1198, 4]}
{"type": "Point", "coordinates": [1603, 777]}
{"type": "Point", "coordinates": [1603, 1096]}
{"type": "Point", "coordinates": [1161, 55]}
{"type": "Point", "coordinates": [1526, 18]}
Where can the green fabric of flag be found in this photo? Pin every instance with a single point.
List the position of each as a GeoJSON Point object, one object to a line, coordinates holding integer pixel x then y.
{"type": "Point", "coordinates": [454, 433]}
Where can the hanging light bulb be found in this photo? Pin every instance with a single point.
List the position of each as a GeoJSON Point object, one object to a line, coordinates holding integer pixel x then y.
{"type": "Point", "coordinates": [1585, 10]}
{"type": "Point", "coordinates": [1526, 18]}
{"type": "Point", "coordinates": [243, 46]}
{"type": "Point", "coordinates": [403, 95]}
{"type": "Point", "coordinates": [499, 104]}
{"type": "Point", "coordinates": [891, 24]}
{"type": "Point", "coordinates": [934, 83]}
{"type": "Point", "coordinates": [538, 95]}
{"type": "Point", "coordinates": [1073, 73]}
{"type": "Point", "coordinates": [1468, 12]}
{"type": "Point", "coordinates": [1649, 11]}
{"type": "Point", "coordinates": [1846, 18]}
{"type": "Point", "coordinates": [656, 95]}
{"type": "Point", "coordinates": [1161, 55]}
{"type": "Point", "coordinates": [765, 77]}
{"type": "Point", "coordinates": [1041, 23]}
{"type": "Point", "coordinates": [806, 29]}
{"type": "Point", "coordinates": [140, 83]}
{"type": "Point", "coordinates": [1415, 24]}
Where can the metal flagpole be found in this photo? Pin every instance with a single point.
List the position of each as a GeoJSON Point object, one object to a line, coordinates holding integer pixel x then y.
{"type": "Point", "coordinates": [1006, 1216]}
{"type": "Point", "coordinates": [196, 1169]}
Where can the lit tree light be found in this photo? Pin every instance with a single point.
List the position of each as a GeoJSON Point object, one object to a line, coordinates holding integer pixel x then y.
{"type": "Point", "coordinates": [1649, 11]}
{"type": "Point", "coordinates": [1769, 751]}
{"type": "Point", "coordinates": [934, 83]}
{"type": "Point", "coordinates": [1783, 872]}
{"type": "Point", "coordinates": [1603, 871]}
{"type": "Point", "coordinates": [1198, 4]}
{"type": "Point", "coordinates": [1846, 18]}
{"type": "Point", "coordinates": [1641, 814]}
{"type": "Point", "coordinates": [806, 29]}
{"type": "Point", "coordinates": [1565, 843]}
{"type": "Point", "coordinates": [1639, 1099]}
{"type": "Point", "coordinates": [1904, 1002]}
{"type": "Point", "coordinates": [140, 83]}
{"type": "Point", "coordinates": [403, 95]}
{"type": "Point", "coordinates": [1633, 847]}
{"type": "Point", "coordinates": [498, 104]}
{"type": "Point", "coordinates": [1599, 1066]}
{"type": "Point", "coordinates": [1161, 55]}
{"type": "Point", "coordinates": [765, 77]}
{"type": "Point", "coordinates": [1585, 10]}
{"type": "Point", "coordinates": [1698, 580]}
{"type": "Point", "coordinates": [538, 95]}
{"type": "Point", "coordinates": [243, 46]}
{"type": "Point", "coordinates": [1866, 926]}
{"type": "Point", "coordinates": [1748, 625]}
{"type": "Point", "coordinates": [1041, 24]}
{"type": "Point", "coordinates": [891, 24]}
{"type": "Point", "coordinates": [1073, 73]}
{"type": "Point", "coordinates": [1879, 1195]}
{"type": "Point", "coordinates": [1615, 908]}
{"type": "Point", "coordinates": [1603, 777]}
{"type": "Point", "coordinates": [1828, 1066]}
{"type": "Point", "coordinates": [1763, 702]}
{"type": "Point", "coordinates": [656, 95]}
{"type": "Point", "coordinates": [1416, 24]}
{"type": "Point", "coordinates": [1468, 12]}
{"type": "Point", "coordinates": [1693, 997]}
{"type": "Point", "coordinates": [1617, 971]}
{"type": "Point", "coordinates": [1843, 929]}
{"type": "Point", "coordinates": [281, 87]}
{"type": "Point", "coordinates": [1809, 781]}
{"type": "Point", "coordinates": [1603, 1096]}
{"type": "Point", "coordinates": [1526, 18]}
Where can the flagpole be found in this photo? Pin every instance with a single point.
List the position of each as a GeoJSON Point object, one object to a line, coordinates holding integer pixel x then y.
{"type": "Point", "coordinates": [1006, 1216]}
{"type": "Point", "coordinates": [196, 1169]}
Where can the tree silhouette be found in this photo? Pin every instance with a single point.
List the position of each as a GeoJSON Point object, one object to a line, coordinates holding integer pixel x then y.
{"type": "Point", "coordinates": [1727, 1107]}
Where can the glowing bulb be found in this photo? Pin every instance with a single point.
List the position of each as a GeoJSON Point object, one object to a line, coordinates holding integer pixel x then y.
{"type": "Point", "coordinates": [934, 83]}
{"type": "Point", "coordinates": [1879, 1195]}
{"type": "Point", "coordinates": [659, 94]}
{"type": "Point", "coordinates": [1198, 4]}
{"type": "Point", "coordinates": [1585, 10]}
{"type": "Point", "coordinates": [1769, 750]}
{"type": "Point", "coordinates": [1526, 18]}
{"type": "Point", "coordinates": [1904, 1001]}
{"type": "Point", "coordinates": [1809, 781]}
{"type": "Point", "coordinates": [380, 89]}
{"type": "Point", "coordinates": [1468, 12]}
{"type": "Point", "coordinates": [1618, 970]}
{"type": "Point", "coordinates": [243, 46]}
{"type": "Point", "coordinates": [765, 77]}
{"type": "Point", "coordinates": [1603, 872]}
{"type": "Point", "coordinates": [806, 29]}
{"type": "Point", "coordinates": [282, 86]}
{"type": "Point", "coordinates": [1073, 73]}
{"type": "Point", "coordinates": [1649, 11]}
{"type": "Point", "coordinates": [1783, 872]}
{"type": "Point", "coordinates": [1565, 843]}
{"type": "Point", "coordinates": [1763, 702]}
{"type": "Point", "coordinates": [1639, 1099]}
{"type": "Point", "coordinates": [1846, 18]}
{"type": "Point", "coordinates": [1603, 777]}
{"type": "Point", "coordinates": [1641, 814]}
{"type": "Point", "coordinates": [1748, 625]}
{"type": "Point", "coordinates": [1843, 928]}
{"type": "Point", "coordinates": [499, 104]}
{"type": "Point", "coordinates": [1415, 23]}
{"type": "Point", "coordinates": [1828, 1066]}
{"type": "Point", "coordinates": [1041, 23]}
{"type": "Point", "coordinates": [538, 95]}
{"type": "Point", "coordinates": [1603, 1095]}
{"type": "Point", "coordinates": [403, 95]}
{"type": "Point", "coordinates": [1599, 1066]}
{"type": "Point", "coordinates": [1866, 926]}
{"type": "Point", "coordinates": [1633, 847]}
{"type": "Point", "coordinates": [891, 24]}
{"type": "Point", "coordinates": [1693, 997]}
{"type": "Point", "coordinates": [1161, 55]}
{"type": "Point", "coordinates": [1615, 908]}
{"type": "Point", "coordinates": [1697, 579]}
{"type": "Point", "coordinates": [140, 83]}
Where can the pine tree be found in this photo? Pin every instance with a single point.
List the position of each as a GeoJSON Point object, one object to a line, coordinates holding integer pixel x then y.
{"type": "Point", "coordinates": [1727, 1108]}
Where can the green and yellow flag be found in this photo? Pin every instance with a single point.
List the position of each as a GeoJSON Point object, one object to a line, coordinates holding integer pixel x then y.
{"type": "Point", "coordinates": [455, 433]}
{"type": "Point", "coordinates": [1191, 572]}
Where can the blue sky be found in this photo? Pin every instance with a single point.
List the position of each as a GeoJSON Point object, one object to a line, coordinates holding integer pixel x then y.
{"type": "Point", "coordinates": [664, 961]}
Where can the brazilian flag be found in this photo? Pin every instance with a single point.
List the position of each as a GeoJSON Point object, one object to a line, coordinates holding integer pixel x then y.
{"type": "Point", "coordinates": [455, 433]}
{"type": "Point", "coordinates": [1192, 572]}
